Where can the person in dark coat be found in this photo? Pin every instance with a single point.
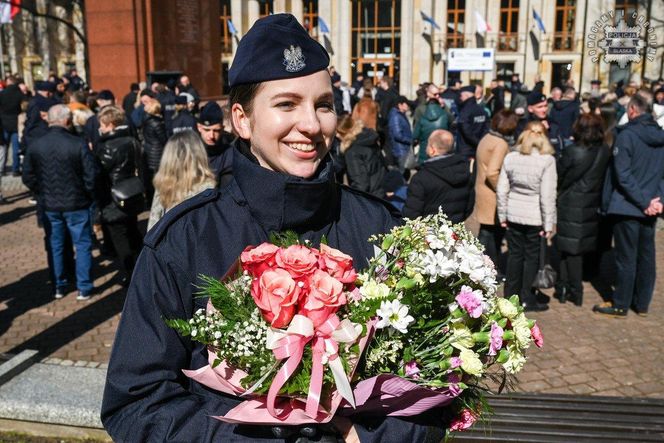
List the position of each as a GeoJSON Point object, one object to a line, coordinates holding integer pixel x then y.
{"type": "Point", "coordinates": [473, 123]}
{"type": "Point", "coordinates": [76, 83]}
{"type": "Point", "coordinates": [443, 181]}
{"type": "Point", "coordinates": [183, 120]}
{"type": "Point", "coordinates": [154, 140]}
{"type": "Point", "coordinates": [117, 153]}
{"type": "Point", "coordinates": [581, 169]}
{"type": "Point", "coordinates": [360, 147]}
{"type": "Point", "coordinates": [399, 131]}
{"type": "Point", "coordinates": [565, 113]}
{"type": "Point", "coordinates": [185, 85]}
{"type": "Point", "coordinates": [129, 100]}
{"type": "Point", "coordinates": [60, 170]}
{"type": "Point", "coordinates": [10, 107]}
{"type": "Point", "coordinates": [632, 196]}
{"type": "Point", "coordinates": [33, 118]}
{"type": "Point", "coordinates": [283, 180]}
{"type": "Point", "coordinates": [386, 97]}
{"type": "Point", "coordinates": [91, 129]}
{"type": "Point", "coordinates": [537, 112]}
{"type": "Point", "coordinates": [166, 97]}
{"type": "Point", "coordinates": [217, 143]}
{"type": "Point", "coordinates": [428, 118]}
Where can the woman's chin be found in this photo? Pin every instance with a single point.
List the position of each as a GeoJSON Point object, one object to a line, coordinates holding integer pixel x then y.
{"type": "Point", "coordinates": [304, 170]}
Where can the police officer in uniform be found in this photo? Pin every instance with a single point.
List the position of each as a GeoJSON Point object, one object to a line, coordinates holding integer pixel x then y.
{"type": "Point", "coordinates": [283, 111]}
{"type": "Point", "coordinates": [473, 123]}
{"type": "Point", "coordinates": [183, 119]}
{"type": "Point", "coordinates": [43, 97]}
{"type": "Point", "coordinates": [217, 143]}
{"type": "Point", "coordinates": [537, 111]}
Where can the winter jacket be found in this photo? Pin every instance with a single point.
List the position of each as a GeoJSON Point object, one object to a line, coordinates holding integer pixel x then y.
{"type": "Point", "coordinates": [128, 102]}
{"type": "Point", "coordinates": [444, 182]}
{"type": "Point", "coordinates": [581, 172]}
{"type": "Point", "coordinates": [10, 107]}
{"type": "Point", "coordinates": [473, 124]}
{"type": "Point", "coordinates": [183, 121]}
{"type": "Point", "coordinates": [555, 137]}
{"type": "Point", "coordinates": [146, 396]}
{"type": "Point", "coordinates": [61, 170]}
{"type": "Point", "coordinates": [400, 133]}
{"type": "Point", "coordinates": [364, 164]}
{"type": "Point", "coordinates": [386, 99]}
{"type": "Point", "coordinates": [488, 161]}
{"type": "Point", "coordinates": [434, 117]}
{"type": "Point", "coordinates": [636, 175]}
{"type": "Point", "coordinates": [565, 113]}
{"type": "Point", "coordinates": [526, 192]}
{"type": "Point", "coordinates": [154, 140]}
{"type": "Point", "coordinates": [167, 101]}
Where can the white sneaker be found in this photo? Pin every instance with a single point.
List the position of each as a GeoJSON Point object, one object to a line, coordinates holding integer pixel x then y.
{"type": "Point", "coordinates": [82, 297]}
{"type": "Point", "coordinates": [59, 293]}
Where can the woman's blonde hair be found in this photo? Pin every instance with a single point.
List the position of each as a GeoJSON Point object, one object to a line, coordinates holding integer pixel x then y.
{"type": "Point", "coordinates": [534, 137]}
{"type": "Point", "coordinates": [348, 128]}
{"type": "Point", "coordinates": [153, 108]}
{"type": "Point", "coordinates": [183, 168]}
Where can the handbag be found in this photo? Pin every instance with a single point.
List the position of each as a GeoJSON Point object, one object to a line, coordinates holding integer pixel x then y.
{"type": "Point", "coordinates": [546, 276]}
{"type": "Point", "coordinates": [409, 161]}
{"type": "Point", "coordinates": [128, 195]}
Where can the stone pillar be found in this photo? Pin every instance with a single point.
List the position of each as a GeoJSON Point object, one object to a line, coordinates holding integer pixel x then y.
{"type": "Point", "coordinates": [423, 37]}
{"type": "Point", "coordinates": [297, 9]}
{"type": "Point", "coordinates": [406, 50]}
{"type": "Point", "coordinates": [325, 12]}
{"type": "Point", "coordinates": [279, 6]}
{"type": "Point", "coordinates": [343, 48]}
{"type": "Point", "coordinates": [439, 42]}
{"type": "Point", "coordinates": [251, 14]}
{"type": "Point", "coordinates": [27, 25]}
{"type": "Point", "coordinates": [11, 48]}
{"type": "Point", "coordinates": [654, 37]}
{"type": "Point", "coordinates": [43, 38]}
{"type": "Point", "coordinates": [78, 20]}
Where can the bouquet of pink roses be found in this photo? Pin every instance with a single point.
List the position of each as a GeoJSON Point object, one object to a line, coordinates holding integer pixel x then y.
{"type": "Point", "coordinates": [297, 331]}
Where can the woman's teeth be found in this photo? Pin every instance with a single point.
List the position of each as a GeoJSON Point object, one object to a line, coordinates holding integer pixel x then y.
{"type": "Point", "coordinates": [304, 147]}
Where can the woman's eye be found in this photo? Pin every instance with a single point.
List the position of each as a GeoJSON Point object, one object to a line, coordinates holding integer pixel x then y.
{"type": "Point", "coordinates": [326, 105]}
{"type": "Point", "coordinates": [286, 105]}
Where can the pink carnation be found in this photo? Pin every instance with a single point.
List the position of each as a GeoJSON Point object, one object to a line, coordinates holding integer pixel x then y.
{"type": "Point", "coordinates": [412, 370]}
{"type": "Point", "coordinates": [455, 362]}
{"type": "Point", "coordinates": [537, 336]}
{"type": "Point", "coordinates": [496, 339]}
{"type": "Point", "coordinates": [471, 301]}
{"type": "Point", "coordinates": [463, 421]}
{"type": "Point", "coordinates": [454, 379]}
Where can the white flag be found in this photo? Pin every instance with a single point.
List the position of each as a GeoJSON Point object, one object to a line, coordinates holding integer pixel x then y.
{"type": "Point", "coordinates": [482, 25]}
{"type": "Point", "coordinates": [5, 13]}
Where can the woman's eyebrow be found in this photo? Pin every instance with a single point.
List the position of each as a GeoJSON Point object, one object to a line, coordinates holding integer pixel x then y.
{"type": "Point", "coordinates": [290, 95]}
{"type": "Point", "coordinates": [326, 96]}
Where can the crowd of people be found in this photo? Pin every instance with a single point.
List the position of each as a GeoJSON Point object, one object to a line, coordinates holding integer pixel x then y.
{"type": "Point", "coordinates": [92, 167]}
{"type": "Point", "coordinates": [582, 171]}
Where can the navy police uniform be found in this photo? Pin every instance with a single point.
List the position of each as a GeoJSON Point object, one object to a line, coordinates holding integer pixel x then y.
{"type": "Point", "coordinates": [473, 124]}
{"type": "Point", "coordinates": [147, 397]}
{"type": "Point", "coordinates": [554, 132]}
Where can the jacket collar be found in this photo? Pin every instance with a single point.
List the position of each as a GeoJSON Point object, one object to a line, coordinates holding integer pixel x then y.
{"type": "Point", "coordinates": [281, 201]}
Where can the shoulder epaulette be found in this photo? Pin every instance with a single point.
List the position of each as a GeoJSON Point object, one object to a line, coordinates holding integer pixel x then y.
{"type": "Point", "coordinates": [154, 235]}
{"type": "Point", "coordinates": [394, 212]}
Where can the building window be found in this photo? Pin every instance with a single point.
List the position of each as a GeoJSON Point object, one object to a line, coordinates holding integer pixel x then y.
{"type": "Point", "coordinates": [508, 39]}
{"type": "Point", "coordinates": [310, 17]}
{"type": "Point", "coordinates": [376, 37]}
{"type": "Point", "coordinates": [456, 12]}
{"type": "Point", "coordinates": [226, 36]}
{"type": "Point", "coordinates": [504, 71]}
{"type": "Point", "coordinates": [626, 8]}
{"type": "Point", "coordinates": [563, 37]}
{"type": "Point", "coordinates": [266, 8]}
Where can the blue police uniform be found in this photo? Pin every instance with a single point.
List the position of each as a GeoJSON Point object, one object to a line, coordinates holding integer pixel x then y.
{"type": "Point", "coordinates": [147, 397]}
{"type": "Point", "coordinates": [473, 124]}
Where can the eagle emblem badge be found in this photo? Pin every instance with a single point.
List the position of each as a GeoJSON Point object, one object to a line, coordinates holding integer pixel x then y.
{"type": "Point", "coordinates": [294, 59]}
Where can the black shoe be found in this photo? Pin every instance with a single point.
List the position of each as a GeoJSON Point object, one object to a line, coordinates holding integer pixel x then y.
{"type": "Point", "coordinates": [639, 312]}
{"type": "Point", "coordinates": [541, 297]}
{"type": "Point", "coordinates": [610, 311]}
{"type": "Point", "coordinates": [3, 201]}
{"type": "Point", "coordinates": [576, 298]}
{"type": "Point", "coordinates": [534, 307]}
{"type": "Point", "coordinates": [561, 293]}
{"type": "Point", "coordinates": [16, 173]}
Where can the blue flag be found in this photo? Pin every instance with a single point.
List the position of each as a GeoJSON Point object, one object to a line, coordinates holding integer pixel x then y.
{"type": "Point", "coordinates": [538, 19]}
{"type": "Point", "coordinates": [231, 27]}
{"type": "Point", "coordinates": [322, 26]}
{"type": "Point", "coordinates": [428, 19]}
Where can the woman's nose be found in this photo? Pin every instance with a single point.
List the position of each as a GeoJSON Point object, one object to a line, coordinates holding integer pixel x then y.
{"type": "Point", "coordinates": [308, 122]}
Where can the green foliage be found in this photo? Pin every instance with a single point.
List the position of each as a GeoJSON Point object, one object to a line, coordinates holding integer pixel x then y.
{"type": "Point", "coordinates": [181, 326]}
{"type": "Point", "coordinates": [284, 239]}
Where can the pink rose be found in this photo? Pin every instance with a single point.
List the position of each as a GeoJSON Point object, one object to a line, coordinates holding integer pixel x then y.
{"type": "Point", "coordinates": [537, 336]}
{"type": "Point", "coordinates": [337, 264]}
{"type": "Point", "coordinates": [298, 260]}
{"type": "Point", "coordinates": [276, 295]}
{"type": "Point", "coordinates": [463, 421]}
{"type": "Point", "coordinates": [256, 260]}
{"type": "Point", "coordinates": [325, 295]}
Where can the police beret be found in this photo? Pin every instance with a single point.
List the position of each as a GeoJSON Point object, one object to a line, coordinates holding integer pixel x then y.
{"type": "Point", "coordinates": [535, 97]}
{"type": "Point", "coordinates": [336, 78]}
{"type": "Point", "coordinates": [595, 82]}
{"type": "Point", "coordinates": [468, 88]}
{"type": "Point", "coordinates": [210, 114]}
{"type": "Point", "coordinates": [147, 92]}
{"type": "Point", "coordinates": [452, 82]}
{"type": "Point", "coordinates": [184, 98]}
{"type": "Point", "coordinates": [276, 47]}
{"type": "Point", "coordinates": [105, 94]}
{"type": "Point", "coordinates": [45, 104]}
{"type": "Point", "coordinates": [45, 86]}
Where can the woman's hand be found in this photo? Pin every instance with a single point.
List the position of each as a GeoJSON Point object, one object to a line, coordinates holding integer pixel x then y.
{"type": "Point", "coordinates": [503, 225]}
{"type": "Point", "coordinates": [546, 234]}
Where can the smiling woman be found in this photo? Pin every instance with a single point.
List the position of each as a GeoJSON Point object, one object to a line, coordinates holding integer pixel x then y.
{"type": "Point", "coordinates": [283, 179]}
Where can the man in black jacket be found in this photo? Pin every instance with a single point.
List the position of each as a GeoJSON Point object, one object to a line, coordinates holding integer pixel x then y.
{"type": "Point", "coordinates": [210, 128]}
{"type": "Point", "coordinates": [537, 111]}
{"type": "Point", "coordinates": [60, 170]}
{"type": "Point", "coordinates": [10, 107]}
{"type": "Point", "coordinates": [473, 123]}
{"type": "Point", "coordinates": [565, 113]}
{"type": "Point", "coordinates": [444, 181]}
{"type": "Point", "coordinates": [129, 100]}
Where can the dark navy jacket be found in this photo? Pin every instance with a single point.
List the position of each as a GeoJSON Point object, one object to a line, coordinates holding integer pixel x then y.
{"type": "Point", "coordinates": [400, 132]}
{"type": "Point", "coordinates": [473, 124]}
{"type": "Point", "coordinates": [636, 174]}
{"type": "Point", "coordinates": [147, 398]}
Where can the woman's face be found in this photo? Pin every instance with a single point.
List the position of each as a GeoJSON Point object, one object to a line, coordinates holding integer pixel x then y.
{"type": "Point", "coordinates": [291, 125]}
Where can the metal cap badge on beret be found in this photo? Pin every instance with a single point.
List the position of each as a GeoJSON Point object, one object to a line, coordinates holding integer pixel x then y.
{"type": "Point", "coordinates": [276, 47]}
{"type": "Point", "coordinates": [535, 97]}
{"type": "Point", "coordinates": [210, 114]}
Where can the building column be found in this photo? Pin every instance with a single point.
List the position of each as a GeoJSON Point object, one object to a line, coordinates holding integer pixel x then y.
{"type": "Point", "coordinates": [406, 86]}
{"type": "Point", "coordinates": [279, 6]}
{"type": "Point", "coordinates": [424, 35]}
{"type": "Point", "coordinates": [343, 48]}
{"type": "Point", "coordinates": [79, 47]}
{"type": "Point", "coordinates": [43, 38]}
{"type": "Point", "coordinates": [11, 48]}
{"type": "Point", "coordinates": [250, 15]}
{"type": "Point", "coordinates": [296, 7]}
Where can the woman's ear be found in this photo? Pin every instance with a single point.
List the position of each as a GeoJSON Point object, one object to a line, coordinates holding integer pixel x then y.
{"type": "Point", "coordinates": [240, 120]}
